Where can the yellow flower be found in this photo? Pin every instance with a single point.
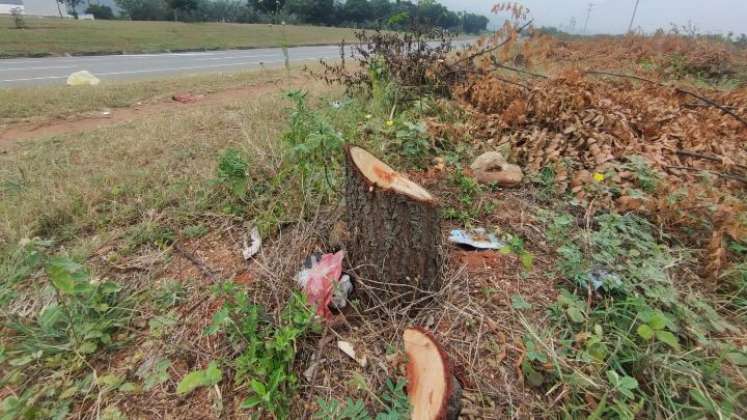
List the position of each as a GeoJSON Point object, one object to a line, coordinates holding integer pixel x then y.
{"type": "Point", "coordinates": [599, 177]}
{"type": "Point", "coordinates": [368, 116]}
{"type": "Point", "coordinates": [389, 123]}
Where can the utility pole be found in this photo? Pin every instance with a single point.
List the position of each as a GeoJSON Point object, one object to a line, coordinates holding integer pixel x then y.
{"type": "Point", "coordinates": [632, 18]}
{"type": "Point", "coordinates": [588, 15]}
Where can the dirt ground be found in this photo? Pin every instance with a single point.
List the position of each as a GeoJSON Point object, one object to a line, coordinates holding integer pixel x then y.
{"type": "Point", "coordinates": [19, 131]}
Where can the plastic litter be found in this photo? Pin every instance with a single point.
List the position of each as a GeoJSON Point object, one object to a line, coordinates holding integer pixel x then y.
{"type": "Point", "coordinates": [251, 244]}
{"type": "Point", "coordinates": [476, 238]}
{"type": "Point", "coordinates": [82, 78]}
{"type": "Point", "coordinates": [347, 348]}
{"type": "Point", "coordinates": [320, 279]}
{"type": "Point", "coordinates": [341, 292]}
{"type": "Point", "coordinates": [600, 278]}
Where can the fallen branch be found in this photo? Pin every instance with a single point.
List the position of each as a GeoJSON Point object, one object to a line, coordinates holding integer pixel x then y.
{"type": "Point", "coordinates": [721, 174]}
{"type": "Point", "coordinates": [679, 90]}
{"type": "Point", "coordinates": [197, 261]}
{"type": "Point", "coordinates": [704, 156]}
{"type": "Point", "coordinates": [491, 49]}
{"type": "Point", "coordinates": [203, 268]}
{"type": "Point", "coordinates": [517, 70]}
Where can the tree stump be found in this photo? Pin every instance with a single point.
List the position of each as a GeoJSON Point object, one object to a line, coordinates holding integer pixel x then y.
{"type": "Point", "coordinates": [394, 229]}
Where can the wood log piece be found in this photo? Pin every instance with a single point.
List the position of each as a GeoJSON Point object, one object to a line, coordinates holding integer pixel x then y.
{"type": "Point", "coordinates": [433, 391]}
{"type": "Point", "coordinates": [394, 228]}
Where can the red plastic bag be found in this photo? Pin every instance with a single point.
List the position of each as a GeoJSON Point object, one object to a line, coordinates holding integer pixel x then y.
{"type": "Point", "coordinates": [319, 281]}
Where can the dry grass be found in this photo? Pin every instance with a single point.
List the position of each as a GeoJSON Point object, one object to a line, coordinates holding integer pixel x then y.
{"type": "Point", "coordinates": [39, 103]}
{"type": "Point", "coordinates": [57, 36]}
{"type": "Point", "coordinates": [66, 185]}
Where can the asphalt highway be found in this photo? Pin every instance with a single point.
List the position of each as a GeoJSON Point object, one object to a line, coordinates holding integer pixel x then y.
{"type": "Point", "coordinates": [55, 70]}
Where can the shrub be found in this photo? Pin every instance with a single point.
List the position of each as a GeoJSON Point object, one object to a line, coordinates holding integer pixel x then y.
{"type": "Point", "coordinates": [100, 12]}
{"type": "Point", "coordinates": [18, 20]}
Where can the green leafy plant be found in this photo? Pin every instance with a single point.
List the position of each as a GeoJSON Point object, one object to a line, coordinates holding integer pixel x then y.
{"type": "Point", "coordinates": [232, 173]}
{"type": "Point", "coordinates": [624, 324]}
{"type": "Point", "coordinates": [515, 245]}
{"type": "Point", "coordinates": [313, 142]}
{"type": "Point", "coordinates": [646, 178]}
{"type": "Point", "coordinates": [200, 378]}
{"type": "Point", "coordinates": [62, 337]}
{"type": "Point", "coordinates": [154, 373]}
{"type": "Point", "coordinates": [412, 143]}
{"type": "Point", "coordinates": [266, 363]}
{"type": "Point", "coordinates": [655, 326]}
{"type": "Point", "coordinates": [467, 205]}
{"type": "Point", "coordinates": [394, 399]}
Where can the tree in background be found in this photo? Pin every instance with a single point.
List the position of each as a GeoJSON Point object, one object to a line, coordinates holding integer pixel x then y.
{"type": "Point", "coordinates": [71, 5]}
{"type": "Point", "coordinates": [100, 12]}
{"type": "Point", "coordinates": [318, 12]}
{"type": "Point", "coordinates": [357, 11]}
{"type": "Point", "coordinates": [473, 23]}
{"type": "Point", "coordinates": [219, 11]}
{"type": "Point", "coordinates": [383, 14]}
{"type": "Point", "coordinates": [269, 7]}
{"type": "Point", "coordinates": [144, 9]}
{"type": "Point", "coordinates": [184, 6]}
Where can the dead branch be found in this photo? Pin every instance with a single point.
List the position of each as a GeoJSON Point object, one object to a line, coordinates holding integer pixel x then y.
{"type": "Point", "coordinates": [517, 70]}
{"type": "Point", "coordinates": [710, 102]}
{"type": "Point", "coordinates": [491, 49]}
{"type": "Point", "coordinates": [712, 158]}
{"type": "Point", "coordinates": [198, 262]}
{"type": "Point", "coordinates": [721, 174]}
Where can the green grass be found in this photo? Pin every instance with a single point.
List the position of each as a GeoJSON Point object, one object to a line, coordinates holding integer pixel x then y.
{"type": "Point", "coordinates": [59, 37]}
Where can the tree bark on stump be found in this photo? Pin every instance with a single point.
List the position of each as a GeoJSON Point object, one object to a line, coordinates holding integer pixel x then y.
{"type": "Point", "coordinates": [394, 229]}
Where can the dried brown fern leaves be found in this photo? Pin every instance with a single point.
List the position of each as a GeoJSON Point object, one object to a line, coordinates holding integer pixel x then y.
{"type": "Point", "coordinates": [634, 146]}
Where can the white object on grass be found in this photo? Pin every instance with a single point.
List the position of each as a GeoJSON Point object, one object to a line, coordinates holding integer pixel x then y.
{"type": "Point", "coordinates": [82, 78]}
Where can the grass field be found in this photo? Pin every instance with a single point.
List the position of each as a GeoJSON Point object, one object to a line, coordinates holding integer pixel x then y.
{"type": "Point", "coordinates": [61, 101]}
{"type": "Point", "coordinates": [58, 37]}
{"type": "Point", "coordinates": [124, 292]}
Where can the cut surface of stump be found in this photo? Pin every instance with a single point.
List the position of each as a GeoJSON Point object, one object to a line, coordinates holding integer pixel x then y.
{"type": "Point", "coordinates": [433, 391]}
{"type": "Point", "coordinates": [394, 233]}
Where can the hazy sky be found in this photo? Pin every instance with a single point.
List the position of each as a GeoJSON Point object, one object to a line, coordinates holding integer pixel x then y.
{"type": "Point", "coordinates": [613, 16]}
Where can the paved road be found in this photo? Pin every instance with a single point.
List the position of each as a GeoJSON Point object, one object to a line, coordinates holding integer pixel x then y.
{"type": "Point", "coordinates": [55, 70]}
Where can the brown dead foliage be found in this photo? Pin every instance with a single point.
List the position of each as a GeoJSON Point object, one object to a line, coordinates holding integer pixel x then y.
{"type": "Point", "coordinates": [621, 142]}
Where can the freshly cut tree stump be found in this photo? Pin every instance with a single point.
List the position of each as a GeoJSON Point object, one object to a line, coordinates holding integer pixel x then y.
{"type": "Point", "coordinates": [394, 230]}
{"type": "Point", "coordinates": [433, 391]}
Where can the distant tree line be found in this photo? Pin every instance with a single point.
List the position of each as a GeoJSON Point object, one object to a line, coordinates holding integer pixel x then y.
{"type": "Point", "coordinates": [739, 41]}
{"type": "Point", "coordinates": [350, 13]}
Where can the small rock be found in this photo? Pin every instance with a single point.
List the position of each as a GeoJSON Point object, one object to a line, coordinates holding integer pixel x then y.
{"type": "Point", "coordinates": [492, 168]}
{"type": "Point", "coordinates": [488, 161]}
{"type": "Point", "coordinates": [186, 98]}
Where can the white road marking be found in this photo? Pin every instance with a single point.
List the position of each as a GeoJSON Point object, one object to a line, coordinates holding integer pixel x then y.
{"type": "Point", "coordinates": [34, 78]}
{"type": "Point", "coordinates": [36, 68]}
{"type": "Point", "coordinates": [230, 57]}
{"type": "Point", "coordinates": [157, 70]}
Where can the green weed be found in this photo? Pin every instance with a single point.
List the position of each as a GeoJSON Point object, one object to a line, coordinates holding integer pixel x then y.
{"type": "Point", "coordinates": [394, 399]}
{"type": "Point", "coordinates": [58, 341]}
{"type": "Point", "coordinates": [265, 365]}
{"type": "Point", "coordinates": [630, 335]}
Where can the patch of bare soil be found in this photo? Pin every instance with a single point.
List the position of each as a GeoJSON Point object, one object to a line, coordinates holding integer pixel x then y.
{"type": "Point", "coordinates": [14, 132]}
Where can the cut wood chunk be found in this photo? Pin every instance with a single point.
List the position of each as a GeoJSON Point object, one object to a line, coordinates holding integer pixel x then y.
{"type": "Point", "coordinates": [383, 176]}
{"type": "Point", "coordinates": [394, 234]}
{"type": "Point", "coordinates": [433, 391]}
